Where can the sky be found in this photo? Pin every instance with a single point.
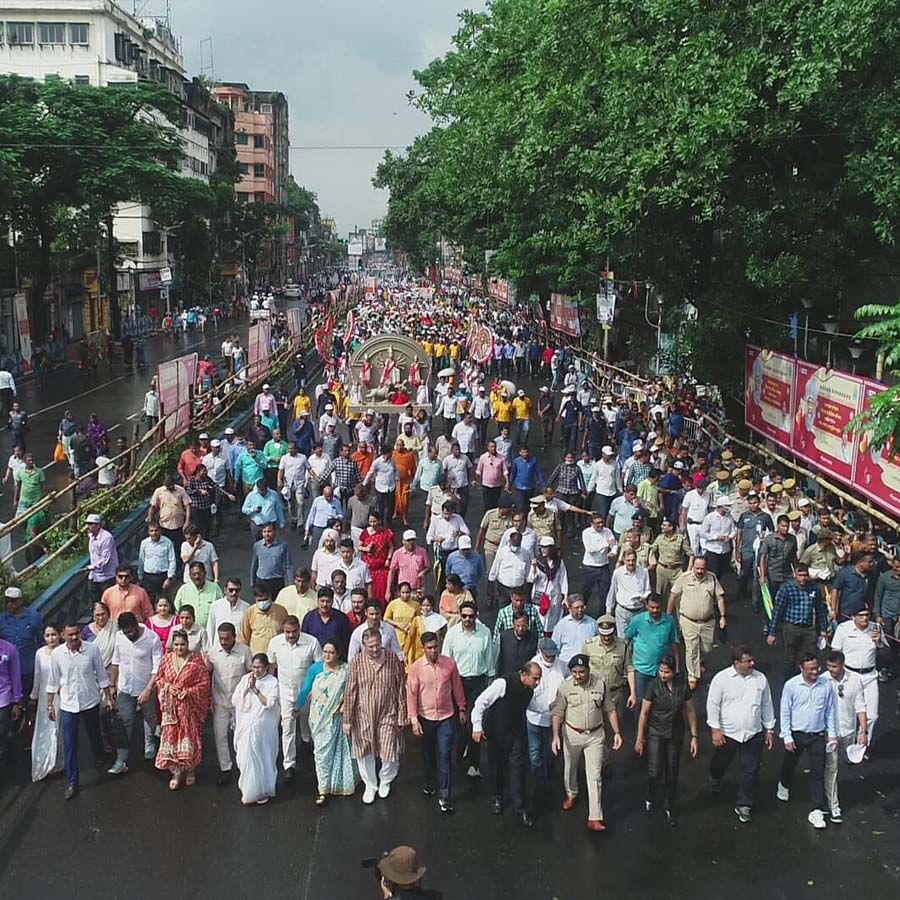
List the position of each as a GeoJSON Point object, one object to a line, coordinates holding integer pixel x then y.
{"type": "Point", "coordinates": [345, 66]}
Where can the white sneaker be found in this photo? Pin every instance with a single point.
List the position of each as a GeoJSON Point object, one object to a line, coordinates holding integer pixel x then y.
{"type": "Point", "coordinates": [783, 794]}
{"type": "Point", "coordinates": [384, 790]}
{"type": "Point", "coordinates": [369, 795]}
{"type": "Point", "coordinates": [473, 772]}
{"type": "Point", "coordinates": [816, 818]}
{"type": "Point", "coordinates": [119, 767]}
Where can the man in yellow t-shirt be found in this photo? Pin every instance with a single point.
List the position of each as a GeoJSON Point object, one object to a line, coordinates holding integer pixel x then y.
{"type": "Point", "coordinates": [302, 403]}
{"type": "Point", "coordinates": [503, 409]}
{"type": "Point", "coordinates": [439, 351]}
{"type": "Point", "coordinates": [521, 408]}
{"type": "Point", "coordinates": [428, 347]}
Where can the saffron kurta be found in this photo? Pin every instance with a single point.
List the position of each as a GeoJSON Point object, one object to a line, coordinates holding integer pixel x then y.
{"type": "Point", "coordinates": [405, 461]}
{"type": "Point", "coordinates": [375, 706]}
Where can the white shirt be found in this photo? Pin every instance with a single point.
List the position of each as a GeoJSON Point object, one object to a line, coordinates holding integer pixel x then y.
{"type": "Point", "coordinates": [206, 553]}
{"type": "Point", "coordinates": [857, 646]}
{"type": "Point", "coordinates": [107, 476]}
{"type": "Point", "coordinates": [481, 407]}
{"type": "Point", "coordinates": [552, 676]}
{"type": "Point", "coordinates": [740, 706]}
{"type": "Point", "coordinates": [695, 505]}
{"type": "Point", "coordinates": [227, 668]}
{"type": "Point", "coordinates": [7, 382]}
{"type": "Point", "coordinates": [511, 566]}
{"type": "Point", "coordinates": [529, 539]}
{"type": "Point", "coordinates": [605, 478]}
{"type": "Point", "coordinates": [323, 564]}
{"type": "Point", "coordinates": [216, 468]}
{"type": "Point", "coordinates": [457, 469]}
{"type": "Point", "coordinates": [317, 462]}
{"type": "Point", "coordinates": [598, 545]}
{"type": "Point", "coordinates": [485, 700]}
{"type": "Point", "coordinates": [358, 575]}
{"type": "Point", "coordinates": [293, 662]}
{"type": "Point", "coordinates": [384, 473]}
{"type": "Point", "coordinates": [388, 641]}
{"type": "Point", "coordinates": [444, 529]}
{"type": "Point", "coordinates": [77, 677]}
{"type": "Point", "coordinates": [715, 525]}
{"type": "Point", "coordinates": [222, 611]}
{"type": "Point", "coordinates": [227, 348]}
{"type": "Point", "coordinates": [628, 589]}
{"type": "Point", "coordinates": [138, 660]}
{"type": "Point", "coordinates": [464, 435]}
{"type": "Point", "coordinates": [448, 407]}
{"type": "Point", "coordinates": [847, 707]}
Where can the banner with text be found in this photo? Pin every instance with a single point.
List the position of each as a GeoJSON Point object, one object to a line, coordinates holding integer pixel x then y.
{"type": "Point", "coordinates": [564, 315]}
{"type": "Point", "coordinates": [877, 472]}
{"type": "Point", "coordinates": [768, 389]}
{"type": "Point", "coordinates": [174, 382]}
{"type": "Point", "coordinates": [295, 326]}
{"type": "Point", "coordinates": [825, 400]}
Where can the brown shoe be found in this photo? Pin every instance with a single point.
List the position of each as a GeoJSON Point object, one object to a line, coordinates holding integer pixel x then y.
{"type": "Point", "coordinates": [568, 803]}
{"type": "Point", "coordinates": [595, 825]}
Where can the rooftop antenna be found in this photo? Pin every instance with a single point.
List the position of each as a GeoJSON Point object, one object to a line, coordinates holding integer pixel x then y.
{"type": "Point", "coordinates": [207, 66]}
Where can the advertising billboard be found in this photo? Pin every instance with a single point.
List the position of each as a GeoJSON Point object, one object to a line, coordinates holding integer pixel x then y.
{"type": "Point", "coordinates": [768, 393]}
{"type": "Point", "coordinates": [564, 315]}
{"type": "Point", "coordinates": [174, 382]}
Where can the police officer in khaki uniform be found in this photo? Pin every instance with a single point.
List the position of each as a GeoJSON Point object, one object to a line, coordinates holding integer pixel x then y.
{"type": "Point", "coordinates": [740, 502]}
{"type": "Point", "coordinates": [721, 486]}
{"type": "Point", "coordinates": [782, 504]}
{"type": "Point", "coordinates": [544, 521]}
{"type": "Point", "coordinates": [791, 495]}
{"type": "Point", "coordinates": [493, 525]}
{"type": "Point", "coordinates": [607, 654]}
{"type": "Point", "coordinates": [667, 555]}
{"type": "Point", "coordinates": [578, 714]}
{"type": "Point", "coordinates": [696, 595]}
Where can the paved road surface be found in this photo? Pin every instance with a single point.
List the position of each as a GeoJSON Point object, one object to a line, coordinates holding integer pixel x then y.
{"type": "Point", "coordinates": [132, 837]}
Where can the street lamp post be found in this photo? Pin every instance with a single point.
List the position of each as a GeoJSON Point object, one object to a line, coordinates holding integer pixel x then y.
{"type": "Point", "coordinates": [807, 306]}
{"type": "Point", "coordinates": [856, 352]}
{"type": "Point", "coordinates": [831, 326]}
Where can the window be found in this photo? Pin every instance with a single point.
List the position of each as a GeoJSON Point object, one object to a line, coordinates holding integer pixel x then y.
{"type": "Point", "coordinates": [51, 33]}
{"type": "Point", "coordinates": [82, 79]}
{"type": "Point", "coordinates": [243, 168]}
{"type": "Point", "coordinates": [260, 196]}
{"type": "Point", "coordinates": [259, 141]}
{"type": "Point", "coordinates": [266, 108]}
{"type": "Point", "coordinates": [242, 196]}
{"type": "Point", "coordinates": [152, 243]}
{"type": "Point", "coordinates": [259, 170]}
{"type": "Point", "coordinates": [78, 33]}
{"type": "Point", "coordinates": [241, 139]}
{"type": "Point", "coordinates": [20, 32]}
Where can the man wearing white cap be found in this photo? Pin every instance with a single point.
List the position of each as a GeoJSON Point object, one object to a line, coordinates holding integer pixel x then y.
{"type": "Point", "coordinates": [409, 563]}
{"type": "Point", "coordinates": [605, 481]}
{"type": "Point", "coordinates": [717, 534]}
{"type": "Point", "coordinates": [265, 405]}
{"type": "Point", "coordinates": [481, 412]}
{"type": "Point", "coordinates": [104, 558]}
{"type": "Point", "coordinates": [467, 564]}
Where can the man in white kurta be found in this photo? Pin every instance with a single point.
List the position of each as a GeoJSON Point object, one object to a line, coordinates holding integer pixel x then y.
{"type": "Point", "coordinates": [228, 663]}
{"type": "Point", "coordinates": [292, 653]}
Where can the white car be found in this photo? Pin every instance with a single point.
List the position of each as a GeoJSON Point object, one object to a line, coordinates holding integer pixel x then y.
{"type": "Point", "coordinates": [292, 290]}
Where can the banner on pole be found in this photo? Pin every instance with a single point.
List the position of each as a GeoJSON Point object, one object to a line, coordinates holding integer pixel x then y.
{"type": "Point", "coordinates": [564, 315]}
{"type": "Point", "coordinates": [768, 393]}
{"type": "Point", "coordinates": [175, 380]}
{"type": "Point", "coordinates": [295, 326]}
{"type": "Point", "coordinates": [24, 328]}
{"type": "Point", "coordinates": [258, 350]}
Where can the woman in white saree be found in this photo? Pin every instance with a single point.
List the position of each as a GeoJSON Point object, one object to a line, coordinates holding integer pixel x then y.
{"type": "Point", "coordinates": [256, 716]}
{"type": "Point", "coordinates": [46, 744]}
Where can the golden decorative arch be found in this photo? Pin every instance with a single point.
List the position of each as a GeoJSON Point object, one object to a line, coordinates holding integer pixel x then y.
{"type": "Point", "coordinates": [384, 368]}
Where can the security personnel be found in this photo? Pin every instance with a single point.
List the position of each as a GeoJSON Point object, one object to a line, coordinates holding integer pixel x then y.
{"type": "Point", "coordinates": [606, 654]}
{"type": "Point", "coordinates": [752, 526]}
{"type": "Point", "coordinates": [791, 495]}
{"type": "Point", "coordinates": [544, 521]}
{"type": "Point", "coordinates": [494, 524]}
{"type": "Point", "coordinates": [782, 504]}
{"type": "Point", "coordinates": [739, 502]}
{"type": "Point", "coordinates": [667, 555]}
{"type": "Point", "coordinates": [696, 595]}
{"type": "Point", "coordinates": [578, 715]}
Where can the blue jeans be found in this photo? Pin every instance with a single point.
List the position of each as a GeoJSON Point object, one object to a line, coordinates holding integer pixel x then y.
{"type": "Point", "coordinates": [539, 753]}
{"type": "Point", "coordinates": [437, 753]}
{"type": "Point", "coordinates": [91, 719]}
{"type": "Point", "coordinates": [641, 682]}
{"type": "Point", "coordinates": [523, 427]}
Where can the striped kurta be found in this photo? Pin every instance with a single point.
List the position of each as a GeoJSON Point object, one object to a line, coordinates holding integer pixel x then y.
{"type": "Point", "coordinates": [375, 706]}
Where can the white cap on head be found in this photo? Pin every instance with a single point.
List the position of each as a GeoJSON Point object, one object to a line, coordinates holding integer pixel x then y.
{"type": "Point", "coordinates": [520, 392]}
{"type": "Point", "coordinates": [204, 436]}
{"type": "Point", "coordinates": [544, 388]}
{"type": "Point", "coordinates": [329, 406]}
{"type": "Point", "coordinates": [229, 430]}
{"type": "Point", "coordinates": [215, 442]}
{"type": "Point", "coordinates": [723, 500]}
{"type": "Point", "coordinates": [547, 541]}
{"type": "Point", "coordinates": [637, 446]}
{"type": "Point", "coordinates": [12, 593]}
{"type": "Point", "coordinates": [370, 412]}
{"type": "Point", "coordinates": [678, 464]}
{"type": "Point", "coordinates": [409, 535]}
{"type": "Point", "coordinates": [265, 387]}
{"type": "Point", "coordinates": [94, 519]}
{"type": "Point", "coordinates": [465, 542]}
{"type": "Point", "coordinates": [607, 450]}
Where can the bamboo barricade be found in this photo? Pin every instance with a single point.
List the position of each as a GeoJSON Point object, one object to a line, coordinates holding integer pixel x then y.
{"type": "Point", "coordinates": [721, 436]}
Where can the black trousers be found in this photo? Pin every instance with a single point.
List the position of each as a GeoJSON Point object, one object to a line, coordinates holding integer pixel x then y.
{"type": "Point", "coordinates": [491, 496]}
{"type": "Point", "coordinates": [663, 763]}
{"type": "Point", "coordinates": [749, 754]}
{"type": "Point", "coordinates": [508, 754]}
{"type": "Point", "coordinates": [98, 587]}
{"type": "Point", "coordinates": [797, 639]}
{"type": "Point", "coordinates": [813, 744]}
{"type": "Point", "coordinates": [465, 746]}
{"type": "Point", "coordinates": [595, 588]}
{"type": "Point", "coordinates": [202, 518]}
{"type": "Point", "coordinates": [152, 583]}
{"type": "Point", "coordinates": [384, 504]}
{"type": "Point", "coordinates": [176, 536]}
{"type": "Point", "coordinates": [719, 564]}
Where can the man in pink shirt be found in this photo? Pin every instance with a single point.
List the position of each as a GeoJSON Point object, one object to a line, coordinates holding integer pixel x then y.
{"type": "Point", "coordinates": [492, 472]}
{"type": "Point", "coordinates": [435, 701]}
{"type": "Point", "coordinates": [409, 563]}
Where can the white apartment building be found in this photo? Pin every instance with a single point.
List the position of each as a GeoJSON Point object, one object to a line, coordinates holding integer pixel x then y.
{"type": "Point", "coordinates": [97, 42]}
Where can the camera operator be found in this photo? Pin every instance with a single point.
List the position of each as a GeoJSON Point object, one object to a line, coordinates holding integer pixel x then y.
{"type": "Point", "coordinates": [401, 875]}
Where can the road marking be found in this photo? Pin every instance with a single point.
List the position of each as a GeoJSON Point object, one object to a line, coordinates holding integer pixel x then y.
{"type": "Point", "coordinates": [133, 416]}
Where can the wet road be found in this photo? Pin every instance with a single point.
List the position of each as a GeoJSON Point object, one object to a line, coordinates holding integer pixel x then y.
{"type": "Point", "coordinates": [132, 837]}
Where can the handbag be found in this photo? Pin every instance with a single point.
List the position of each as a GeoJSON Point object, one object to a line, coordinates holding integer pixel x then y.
{"type": "Point", "coordinates": [115, 730]}
{"type": "Point", "coordinates": [59, 453]}
{"type": "Point", "coordinates": [544, 604]}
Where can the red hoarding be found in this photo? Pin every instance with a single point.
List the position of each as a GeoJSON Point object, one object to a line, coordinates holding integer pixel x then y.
{"type": "Point", "coordinates": [174, 380]}
{"type": "Point", "coordinates": [877, 472]}
{"type": "Point", "coordinates": [768, 390]}
{"type": "Point", "coordinates": [564, 315]}
{"type": "Point", "coordinates": [258, 350]}
{"type": "Point", "coordinates": [825, 400]}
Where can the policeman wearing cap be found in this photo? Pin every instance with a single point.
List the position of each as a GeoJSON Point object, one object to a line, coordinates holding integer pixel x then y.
{"type": "Point", "coordinates": [578, 718]}
{"type": "Point", "coordinates": [606, 655]}
{"type": "Point", "coordinates": [739, 502]}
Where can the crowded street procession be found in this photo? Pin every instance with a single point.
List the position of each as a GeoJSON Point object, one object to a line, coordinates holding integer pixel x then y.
{"type": "Point", "coordinates": [463, 544]}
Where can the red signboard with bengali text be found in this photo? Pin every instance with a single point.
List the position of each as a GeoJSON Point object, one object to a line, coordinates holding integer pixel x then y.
{"type": "Point", "coordinates": [825, 401]}
{"type": "Point", "coordinates": [768, 393]}
{"type": "Point", "coordinates": [259, 350]}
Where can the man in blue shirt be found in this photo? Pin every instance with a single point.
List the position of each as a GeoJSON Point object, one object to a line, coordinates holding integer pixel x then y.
{"type": "Point", "coordinates": [467, 563]}
{"type": "Point", "coordinates": [808, 723]}
{"type": "Point", "coordinates": [525, 476]}
{"type": "Point", "coordinates": [24, 628]}
{"type": "Point", "coordinates": [654, 635]}
{"type": "Point", "coordinates": [263, 506]}
{"type": "Point", "coordinates": [850, 587]}
{"type": "Point", "coordinates": [324, 510]}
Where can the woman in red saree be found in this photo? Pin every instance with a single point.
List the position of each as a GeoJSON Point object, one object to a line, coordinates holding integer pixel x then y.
{"type": "Point", "coordinates": [376, 545]}
{"type": "Point", "coordinates": [183, 687]}
{"type": "Point", "coordinates": [405, 461]}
